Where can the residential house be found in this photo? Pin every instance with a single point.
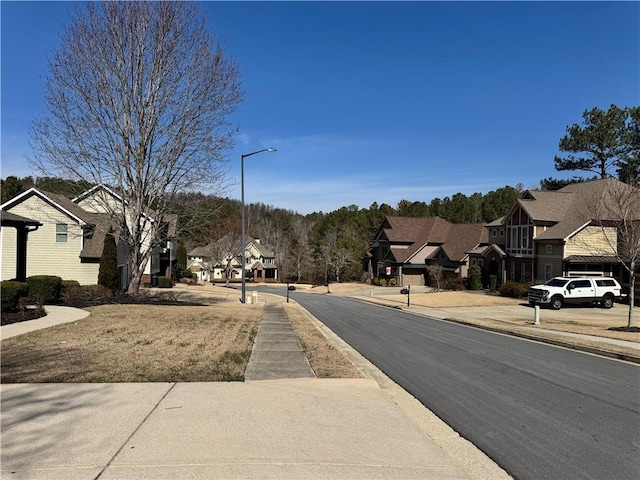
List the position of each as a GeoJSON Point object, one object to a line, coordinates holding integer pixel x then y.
{"type": "Point", "coordinates": [199, 261]}
{"type": "Point", "coordinates": [403, 248]}
{"type": "Point", "coordinates": [69, 243]}
{"type": "Point", "coordinates": [552, 233]}
{"type": "Point", "coordinates": [222, 260]}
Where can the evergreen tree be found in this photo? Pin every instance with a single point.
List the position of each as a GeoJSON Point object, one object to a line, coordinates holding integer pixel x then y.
{"type": "Point", "coordinates": [181, 256]}
{"type": "Point", "coordinates": [604, 144]}
{"type": "Point", "coordinates": [108, 272]}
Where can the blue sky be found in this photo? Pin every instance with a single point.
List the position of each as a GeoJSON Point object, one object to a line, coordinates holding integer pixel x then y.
{"type": "Point", "coordinates": [379, 101]}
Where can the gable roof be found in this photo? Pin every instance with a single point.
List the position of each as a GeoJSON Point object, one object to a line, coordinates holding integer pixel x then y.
{"type": "Point", "coordinates": [57, 201]}
{"type": "Point", "coordinates": [565, 211]}
{"type": "Point", "coordinates": [408, 236]}
{"type": "Point", "coordinates": [95, 189]}
{"type": "Point", "coordinates": [12, 220]}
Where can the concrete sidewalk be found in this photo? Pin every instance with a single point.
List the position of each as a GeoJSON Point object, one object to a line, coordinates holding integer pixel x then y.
{"type": "Point", "coordinates": [296, 426]}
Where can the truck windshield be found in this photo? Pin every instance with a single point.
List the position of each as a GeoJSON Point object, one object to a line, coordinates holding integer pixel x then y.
{"type": "Point", "coordinates": [556, 282]}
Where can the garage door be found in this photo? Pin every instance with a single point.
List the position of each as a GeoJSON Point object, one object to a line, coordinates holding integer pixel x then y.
{"type": "Point", "coordinates": [413, 277]}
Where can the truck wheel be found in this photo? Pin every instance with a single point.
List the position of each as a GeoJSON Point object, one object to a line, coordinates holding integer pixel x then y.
{"type": "Point", "coordinates": [607, 301]}
{"type": "Point", "coordinates": [556, 302]}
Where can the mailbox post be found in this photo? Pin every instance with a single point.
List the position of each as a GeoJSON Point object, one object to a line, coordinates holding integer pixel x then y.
{"type": "Point", "coordinates": [290, 288]}
{"type": "Point", "coordinates": [407, 292]}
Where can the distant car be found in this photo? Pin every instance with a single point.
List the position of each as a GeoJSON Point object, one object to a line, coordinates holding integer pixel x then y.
{"type": "Point", "coordinates": [560, 290]}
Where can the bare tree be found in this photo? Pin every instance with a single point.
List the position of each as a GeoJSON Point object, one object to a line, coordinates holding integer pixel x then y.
{"type": "Point", "coordinates": [340, 258]}
{"type": "Point", "coordinates": [138, 97]}
{"type": "Point", "coordinates": [436, 272]}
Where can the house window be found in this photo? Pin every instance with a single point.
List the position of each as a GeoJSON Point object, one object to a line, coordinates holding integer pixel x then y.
{"type": "Point", "coordinates": [514, 237]}
{"type": "Point", "coordinates": [502, 232]}
{"type": "Point", "coordinates": [525, 237]}
{"type": "Point", "coordinates": [548, 270]}
{"type": "Point", "coordinates": [513, 272]}
{"type": "Point", "coordinates": [494, 232]}
{"type": "Point", "coordinates": [523, 272]}
{"type": "Point", "coordinates": [549, 249]}
{"type": "Point", "coordinates": [61, 233]}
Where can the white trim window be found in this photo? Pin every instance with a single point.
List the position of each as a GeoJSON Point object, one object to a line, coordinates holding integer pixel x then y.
{"type": "Point", "coordinates": [549, 249]}
{"type": "Point", "coordinates": [62, 232]}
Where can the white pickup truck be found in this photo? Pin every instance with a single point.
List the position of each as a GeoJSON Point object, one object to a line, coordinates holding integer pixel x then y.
{"type": "Point", "coordinates": [560, 290]}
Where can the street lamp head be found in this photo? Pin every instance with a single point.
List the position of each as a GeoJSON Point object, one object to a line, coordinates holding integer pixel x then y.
{"type": "Point", "coordinates": [272, 150]}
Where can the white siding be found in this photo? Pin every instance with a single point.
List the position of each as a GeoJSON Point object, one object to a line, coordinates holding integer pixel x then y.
{"type": "Point", "coordinates": [44, 255]}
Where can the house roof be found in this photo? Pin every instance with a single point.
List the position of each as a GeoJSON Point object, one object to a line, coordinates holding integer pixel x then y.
{"type": "Point", "coordinates": [483, 249]}
{"type": "Point", "coordinates": [408, 236]}
{"type": "Point", "coordinates": [586, 198]}
{"type": "Point", "coordinates": [263, 249]}
{"type": "Point", "coordinates": [11, 219]}
{"type": "Point", "coordinates": [571, 208]}
{"type": "Point", "coordinates": [57, 201]}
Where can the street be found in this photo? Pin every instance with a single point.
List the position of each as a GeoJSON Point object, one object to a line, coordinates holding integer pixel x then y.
{"type": "Point", "coordinates": [539, 411]}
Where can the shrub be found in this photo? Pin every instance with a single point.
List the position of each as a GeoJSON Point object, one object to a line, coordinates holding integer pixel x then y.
{"type": "Point", "coordinates": [456, 284]}
{"type": "Point", "coordinates": [493, 282]}
{"type": "Point", "coordinates": [44, 289]}
{"type": "Point", "coordinates": [83, 294]}
{"type": "Point", "coordinates": [186, 273]}
{"type": "Point", "coordinates": [11, 293]}
{"type": "Point", "coordinates": [393, 282]}
{"type": "Point", "coordinates": [383, 282]}
{"type": "Point", "coordinates": [108, 272]}
{"type": "Point", "coordinates": [165, 282]}
{"type": "Point", "coordinates": [475, 282]}
{"type": "Point", "coordinates": [514, 289]}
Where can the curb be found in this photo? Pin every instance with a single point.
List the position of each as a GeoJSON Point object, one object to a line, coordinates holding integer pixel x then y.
{"type": "Point", "coordinates": [558, 343]}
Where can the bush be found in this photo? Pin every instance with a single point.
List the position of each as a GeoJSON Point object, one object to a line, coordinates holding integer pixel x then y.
{"type": "Point", "coordinates": [83, 294]}
{"type": "Point", "coordinates": [475, 282]}
{"type": "Point", "coordinates": [165, 282]}
{"type": "Point", "coordinates": [44, 289]}
{"type": "Point", "coordinates": [11, 293]}
{"type": "Point", "coordinates": [383, 282]}
{"type": "Point", "coordinates": [186, 273]}
{"type": "Point", "coordinates": [456, 284]}
{"type": "Point", "coordinates": [393, 282]}
{"type": "Point", "coordinates": [493, 282]}
{"type": "Point", "coordinates": [514, 289]}
{"type": "Point", "coordinates": [108, 271]}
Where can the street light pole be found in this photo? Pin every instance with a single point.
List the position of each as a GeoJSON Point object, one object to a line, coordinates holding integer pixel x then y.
{"type": "Point", "coordinates": [244, 245]}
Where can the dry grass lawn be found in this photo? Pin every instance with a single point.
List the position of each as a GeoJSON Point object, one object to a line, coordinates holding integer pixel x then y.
{"type": "Point", "coordinates": [325, 359]}
{"type": "Point", "coordinates": [184, 343]}
{"type": "Point", "coordinates": [137, 343]}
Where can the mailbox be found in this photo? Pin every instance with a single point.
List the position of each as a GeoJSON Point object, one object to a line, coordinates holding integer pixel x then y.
{"type": "Point", "coordinates": [404, 291]}
{"type": "Point", "coordinates": [291, 288]}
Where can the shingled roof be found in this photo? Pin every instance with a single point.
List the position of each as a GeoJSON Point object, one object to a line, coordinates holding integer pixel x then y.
{"type": "Point", "coordinates": [573, 206]}
{"type": "Point", "coordinates": [408, 235]}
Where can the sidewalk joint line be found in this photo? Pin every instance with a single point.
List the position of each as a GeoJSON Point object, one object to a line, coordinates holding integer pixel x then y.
{"type": "Point", "coordinates": [144, 420]}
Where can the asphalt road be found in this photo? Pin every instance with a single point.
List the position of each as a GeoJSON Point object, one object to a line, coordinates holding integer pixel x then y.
{"type": "Point", "coordinates": [540, 412]}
